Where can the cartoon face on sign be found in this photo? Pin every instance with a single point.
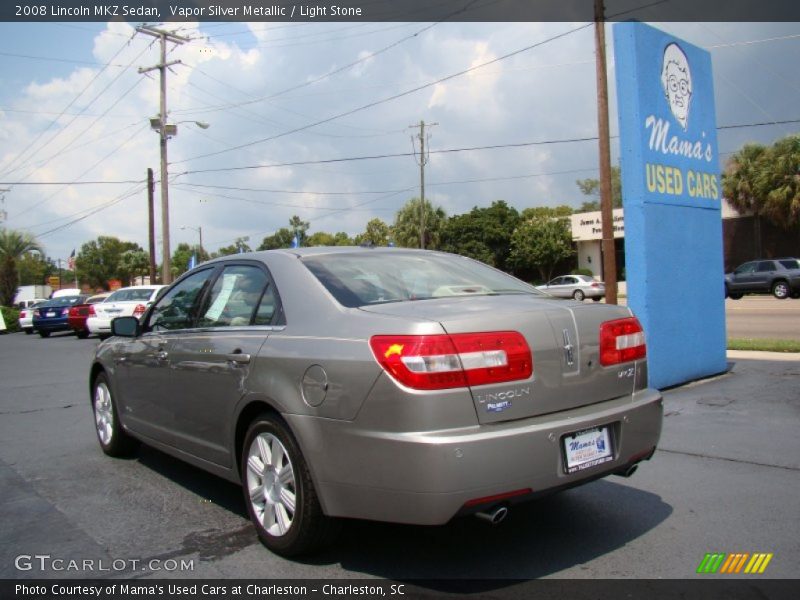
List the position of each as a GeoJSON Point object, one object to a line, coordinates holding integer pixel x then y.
{"type": "Point", "coordinates": [676, 79]}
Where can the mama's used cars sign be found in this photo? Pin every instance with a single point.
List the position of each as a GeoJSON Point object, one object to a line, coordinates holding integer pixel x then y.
{"type": "Point", "coordinates": [671, 192]}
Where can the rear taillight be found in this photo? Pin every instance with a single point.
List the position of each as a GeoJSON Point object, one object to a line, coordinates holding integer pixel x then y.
{"type": "Point", "coordinates": [23, 315]}
{"type": "Point", "coordinates": [139, 310]}
{"type": "Point", "coordinates": [621, 341]}
{"type": "Point", "coordinates": [91, 312]}
{"type": "Point", "coordinates": [437, 362]}
{"type": "Point", "coordinates": [595, 285]}
{"type": "Point", "coordinates": [65, 312]}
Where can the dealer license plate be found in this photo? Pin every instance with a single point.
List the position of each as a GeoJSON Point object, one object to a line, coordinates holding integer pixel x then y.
{"type": "Point", "coordinates": [587, 448]}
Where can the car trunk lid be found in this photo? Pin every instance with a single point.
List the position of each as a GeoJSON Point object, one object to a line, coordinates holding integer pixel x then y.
{"type": "Point", "coordinates": [563, 337]}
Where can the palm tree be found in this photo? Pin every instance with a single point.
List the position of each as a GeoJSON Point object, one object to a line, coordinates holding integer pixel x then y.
{"type": "Point", "coordinates": [743, 185]}
{"type": "Point", "coordinates": [13, 245]}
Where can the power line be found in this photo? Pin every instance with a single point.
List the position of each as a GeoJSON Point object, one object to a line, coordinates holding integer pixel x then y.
{"type": "Point", "coordinates": [390, 98]}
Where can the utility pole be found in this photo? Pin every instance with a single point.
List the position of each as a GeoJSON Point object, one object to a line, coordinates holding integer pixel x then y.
{"type": "Point", "coordinates": [607, 213]}
{"type": "Point", "coordinates": [423, 160]}
{"type": "Point", "coordinates": [151, 226]}
{"type": "Point", "coordinates": [164, 132]}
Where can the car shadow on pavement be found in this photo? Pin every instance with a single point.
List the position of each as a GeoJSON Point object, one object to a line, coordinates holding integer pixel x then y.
{"type": "Point", "coordinates": [537, 539]}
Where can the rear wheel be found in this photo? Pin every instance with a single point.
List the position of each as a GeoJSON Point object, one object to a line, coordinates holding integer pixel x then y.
{"type": "Point", "coordinates": [28, 331]}
{"type": "Point", "coordinates": [279, 492]}
{"type": "Point", "coordinates": [113, 439]}
{"type": "Point", "coordinates": [578, 295]}
{"type": "Point", "coordinates": [44, 334]}
{"type": "Point", "coordinates": [780, 289]}
{"type": "Point", "coordinates": [735, 296]}
{"type": "Point", "coordinates": [83, 334]}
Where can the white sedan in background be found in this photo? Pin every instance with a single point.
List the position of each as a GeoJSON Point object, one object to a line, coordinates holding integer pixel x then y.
{"type": "Point", "coordinates": [126, 302]}
{"type": "Point", "coordinates": [575, 286]}
{"type": "Point", "coordinates": [26, 314]}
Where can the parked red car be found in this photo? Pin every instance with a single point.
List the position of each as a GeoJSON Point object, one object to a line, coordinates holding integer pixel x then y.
{"type": "Point", "coordinates": [80, 312]}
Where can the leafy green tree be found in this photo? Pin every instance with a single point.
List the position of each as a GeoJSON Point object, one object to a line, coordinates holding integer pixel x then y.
{"type": "Point", "coordinates": [377, 233]}
{"type": "Point", "coordinates": [483, 234]}
{"type": "Point", "coordinates": [340, 238]}
{"type": "Point", "coordinates": [591, 187]}
{"type": "Point", "coordinates": [182, 256]}
{"type": "Point", "coordinates": [14, 245]}
{"type": "Point", "coordinates": [541, 242]}
{"type": "Point", "coordinates": [781, 182]}
{"type": "Point", "coordinates": [280, 239]}
{"type": "Point", "coordinates": [407, 225]}
{"type": "Point", "coordinates": [743, 185]}
{"type": "Point", "coordinates": [546, 211]}
{"type": "Point", "coordinates": [239, 245]}
{"type": "Point", "coordinates": [101, 260]}
{"type": "Point", "coordinates": [299, 228]}
{"type": "Point", "coordinates": [320, 238]}
{"type": "Point", "coordinates": [134, 263]}
{"type": "Point", "coordinates": [34, 269]}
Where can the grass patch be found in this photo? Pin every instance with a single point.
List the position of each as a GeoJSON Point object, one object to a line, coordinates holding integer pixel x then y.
{"type": "Point", "coordinates": [764, 345]}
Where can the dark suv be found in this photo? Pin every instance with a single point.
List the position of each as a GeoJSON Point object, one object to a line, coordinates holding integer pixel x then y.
{"type": "Point", "coordinates": [779, 276]}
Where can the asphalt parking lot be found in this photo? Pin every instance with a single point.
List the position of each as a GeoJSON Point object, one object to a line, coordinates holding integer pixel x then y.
{"type": "Point", "coordinates": [726, 478]}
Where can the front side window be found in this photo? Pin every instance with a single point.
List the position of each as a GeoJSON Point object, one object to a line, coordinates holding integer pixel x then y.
{"type": "Point", "coordinates": [178, 307]}
{"type": "Point", "coordinates": [746, 268]}
{"type": "Point", "coordinates": [235, 297]}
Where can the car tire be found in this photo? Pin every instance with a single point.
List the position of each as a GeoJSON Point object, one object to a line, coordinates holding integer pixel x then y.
{"type": "Point", "coordinates": [278, 490]}
{"type": "Point", "coordinates": [82, 335]}
{"type": "Point", "coordinates": [735, 296]}
{"type": "Point", "coordinates": [578, 295]}
{"type": "Point", "coordinates": [28, 331]}
{"type": "Point", "coordinates": [780, 289]}
{"type": "Point", "coordinates": [113, 439]}
{"type": "Point", "coordinates": [597, 298]}
{"type": "Point", "coordinates": [44, 334]}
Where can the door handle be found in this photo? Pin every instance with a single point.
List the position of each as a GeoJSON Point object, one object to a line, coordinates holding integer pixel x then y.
{"type": "Point", "coordinates": [238, 358]}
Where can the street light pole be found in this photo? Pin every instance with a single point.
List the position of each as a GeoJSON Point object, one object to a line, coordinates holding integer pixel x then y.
{"type": "Point", "coordinates": [199, 230]}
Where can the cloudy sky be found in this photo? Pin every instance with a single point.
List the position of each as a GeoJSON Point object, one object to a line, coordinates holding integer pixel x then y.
{"type": "Point", "coordinates": [75, 110]}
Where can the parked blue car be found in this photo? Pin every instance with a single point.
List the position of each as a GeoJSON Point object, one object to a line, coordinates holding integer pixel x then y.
{"type": "Point", "coordinates": [53, 315]}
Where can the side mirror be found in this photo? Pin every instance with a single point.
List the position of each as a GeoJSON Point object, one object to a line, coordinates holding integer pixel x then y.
{"type": "Point", "coordinates": [125, 326]}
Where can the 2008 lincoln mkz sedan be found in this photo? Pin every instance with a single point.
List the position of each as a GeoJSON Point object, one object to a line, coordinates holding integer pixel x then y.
{"type": "Point", "coordinates": [376, 383]}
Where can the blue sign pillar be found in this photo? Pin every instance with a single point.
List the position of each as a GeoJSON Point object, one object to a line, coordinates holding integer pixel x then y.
{"type": "Point", "coordinates": [671, 192]}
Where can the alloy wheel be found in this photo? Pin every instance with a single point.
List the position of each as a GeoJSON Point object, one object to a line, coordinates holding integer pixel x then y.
{"type": "Point", "coordinates": [271, 484]}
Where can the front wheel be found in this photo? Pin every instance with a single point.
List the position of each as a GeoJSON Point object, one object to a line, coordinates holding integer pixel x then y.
{"type": "Point", "coordinates": [578, 295]}
{"type": "Point", "coordinates": [735, 296]}
{"type": "Point", "coordinates": [780, 289]}
{"type": "Point", "coordinates": [113, 439]}
{"type": "Point", "coordinates": [278, 490]}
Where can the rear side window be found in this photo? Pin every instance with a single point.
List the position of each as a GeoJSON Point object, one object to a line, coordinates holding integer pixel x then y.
{"type": "Point", "coordinates": [791, 263]}
{"type": "Point", "coordinates": [178, 307]}
{"type": "Point", "coordinates": [131, 295]}
{"type": "Point", "coordinates": [235, 297]}
{"type": "Point", "coordinates": [766, 266]}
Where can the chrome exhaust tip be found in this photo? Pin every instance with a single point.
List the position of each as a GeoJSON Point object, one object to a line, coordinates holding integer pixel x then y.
{"type": "Point", "coordinates": [494, 516]}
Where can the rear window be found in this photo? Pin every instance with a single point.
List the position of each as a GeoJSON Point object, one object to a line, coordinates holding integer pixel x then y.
{"type": "Point", "coordinates": [131, 295]}
{"type": "Point", "coordinates": [790, 263]}
{"type": "Point", "coordinates": [63, 301]}
{"type": "Point", "coordinates": [360, 279]}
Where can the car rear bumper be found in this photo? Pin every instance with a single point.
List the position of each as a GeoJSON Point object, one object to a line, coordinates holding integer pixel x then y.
{"type": "Point", "coordinates": [427, 478]}
{"type": "Point", "coordinates": [98, 325]}
{"type": "Point", "coordinates": [51, 325]}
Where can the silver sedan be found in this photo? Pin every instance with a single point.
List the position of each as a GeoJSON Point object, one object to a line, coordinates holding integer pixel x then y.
{"type": "Point", "coordinates": [574, 286]}
{"type": "Point", "coordinates": [376, 383]}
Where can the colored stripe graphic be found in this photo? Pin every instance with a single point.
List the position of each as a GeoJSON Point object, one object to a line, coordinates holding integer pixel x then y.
{"type": "Point", "coordinates": [720, 562]}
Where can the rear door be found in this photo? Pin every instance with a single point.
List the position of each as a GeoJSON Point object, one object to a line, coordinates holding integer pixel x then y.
{"type": "Point", "coordinates": [210, 362]}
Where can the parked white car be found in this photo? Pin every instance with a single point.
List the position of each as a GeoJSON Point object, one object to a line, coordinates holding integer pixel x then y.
{"type": "Point", "coordinates": [126, 302]}
{"type": "Point", "coordinates": [26, 314]}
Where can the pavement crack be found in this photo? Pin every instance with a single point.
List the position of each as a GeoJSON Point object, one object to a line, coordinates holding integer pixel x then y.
{"type": "Point", "coordinates": [35, 410]}
{"type": "Point", "coordinates": [735, 460]}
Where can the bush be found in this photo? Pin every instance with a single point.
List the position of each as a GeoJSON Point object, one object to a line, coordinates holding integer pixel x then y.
{"type": "Point", "coordinates": [582, 271]}
{"type": "Point", "coordinates": [11, 317]}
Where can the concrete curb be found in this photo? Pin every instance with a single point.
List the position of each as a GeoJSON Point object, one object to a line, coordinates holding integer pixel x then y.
{"type": "Point", "coordinates": [755, 355]}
